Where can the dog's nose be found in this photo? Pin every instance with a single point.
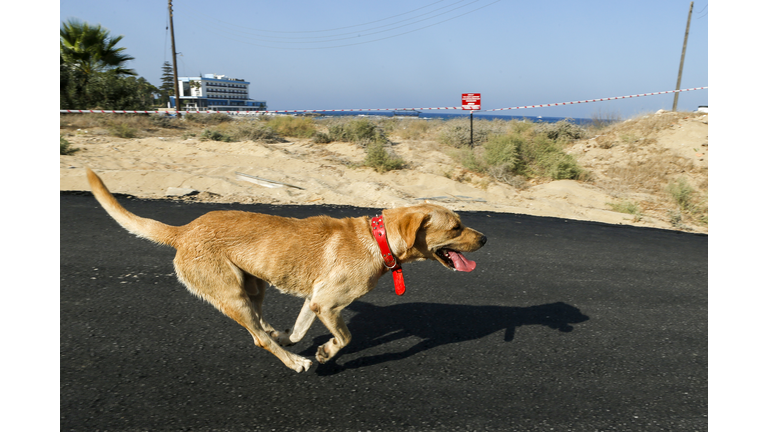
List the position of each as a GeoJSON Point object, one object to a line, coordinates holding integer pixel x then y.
{"type": "Point", "coordinates": [483, 239]}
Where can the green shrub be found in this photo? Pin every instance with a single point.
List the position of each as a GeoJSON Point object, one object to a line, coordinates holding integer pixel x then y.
{"type": "Point", "coordinates": [289, 126]}
{"type": "Point", "coordinates": [65, 147]}
{"type": "Point", "coordinates": [522, 127]}
{"type": "Point", "coordinates": [254, 131]}
{"type": "Point", "coordinates": [321, 138]}
{"type": "Point", "coordinates": [379, 159]}
{"type": "Point", "coordinates": [161, 121]}
{"type": "Point", "coordinates": [461, 135]}
{"type": "Point", "coordinates": [359, 131]}
{"type": "Point", "coordinates": [563, 131]}
{"type": "Point", "coordinates": [502, 151]}
{"type": "Point", "coordinates": [627, 207]}
{"type": "Point", "coordinates": [682, 193]}
{"type": "Point", "coordinates": [455, 135]}
{"type": "Point", "coordinates": [214, 135]}
{"type": "Point", "coordinates": [543, 157]}
{"type": "Point", "coordinates": [468, 158]}
{"type": "Point", "coordinates": [513, 157]}
{"type": "Point", "coordinates": [458, 133]}
{"type": "Point", "coordinates": [122, 130]}
{"type": "Point", "coordinates": [689, 200]}
{"type": "Point", "coordinates": [250, 130]}
{"type": "Point", "coordinates": [207, 119]}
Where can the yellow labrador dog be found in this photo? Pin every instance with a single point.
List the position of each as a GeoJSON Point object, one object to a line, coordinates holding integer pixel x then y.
{"type": "Point", "coordinates": [229, 258]}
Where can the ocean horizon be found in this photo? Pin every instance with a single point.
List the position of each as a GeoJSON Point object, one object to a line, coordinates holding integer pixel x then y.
{"type": "Point", "coordinates": [449, 116]}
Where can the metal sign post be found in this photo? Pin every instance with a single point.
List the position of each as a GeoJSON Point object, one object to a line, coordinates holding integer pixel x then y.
{"type": "Point", "coordinates": [471, 130]}
{"type": "Point", "coordinates": [471, 101]}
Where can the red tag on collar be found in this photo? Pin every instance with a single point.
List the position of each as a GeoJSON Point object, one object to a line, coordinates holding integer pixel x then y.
{"type": "Point", "coordinates": [380, 234]}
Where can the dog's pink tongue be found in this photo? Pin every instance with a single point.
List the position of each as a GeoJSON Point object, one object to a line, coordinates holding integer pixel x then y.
{"type": "Point", "coordinates": [460, 263]}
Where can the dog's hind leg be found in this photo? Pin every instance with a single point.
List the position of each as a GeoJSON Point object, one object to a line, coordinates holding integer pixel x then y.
{"type": "Point", "coordinates": [223, 285]}
{"type": "Point", "coordinates": [257, 289]}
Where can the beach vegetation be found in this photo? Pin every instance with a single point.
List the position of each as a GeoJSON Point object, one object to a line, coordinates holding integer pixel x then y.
{"type": "Point", "coordinates": [321, 138]}
{"type": "Point", "coordinates": [122, 130]}
{"type": "Point", "coordinates": [602, 119]}
{"type": "Point", "coordinates": [65, 147]}
{"type": "Point", "coordinates": [253, 130]}
{"type": "Point", "coordinates": [289, 126]}
{"type": "Point", "coordinates": [207, 119]}
{"type": "Point", "coordinates": [689, 200]}
{"type": "Point", "coordinates": [563, 131]}
{"type": "Point", "coordinates": [409, 129]}
{"type": "Point", "coordinates": [215, 135]}
{"type": "Point", "coordinates": [520, 154]}
{"type": "Point", "coordinates": [380, 159]}
{"type": "Point", "coordinates": [458, 133]}
{"type": "Point", "coordinates": [361, 131]}
{"type": "Point", "coordinates": [628, 207]}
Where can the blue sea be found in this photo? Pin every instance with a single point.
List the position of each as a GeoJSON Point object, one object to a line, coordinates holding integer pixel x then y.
{"type": "Point", "coordinates": [447, 116]}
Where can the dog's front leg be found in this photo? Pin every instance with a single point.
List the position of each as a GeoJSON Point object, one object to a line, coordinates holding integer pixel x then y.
{"type": "Point", "coordinates": [331, 317]}
{"type": "Point", "coordinates": [303, 322]}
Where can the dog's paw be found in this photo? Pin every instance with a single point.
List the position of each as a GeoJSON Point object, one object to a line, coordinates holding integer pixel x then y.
{"type": "Point", "coordinates": [322, 355]}
{"type": "Point", "coordinates": [282, 338]}
{"type": "Point", "coordinates": [302, 364]}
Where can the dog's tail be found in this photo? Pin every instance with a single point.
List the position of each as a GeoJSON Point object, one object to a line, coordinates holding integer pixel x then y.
{"type": "Point", "coordinates": [149, 229]}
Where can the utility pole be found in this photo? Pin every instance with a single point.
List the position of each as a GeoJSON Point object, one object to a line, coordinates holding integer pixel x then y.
{"type": "Point", "coordinates": [682, 58]}
{"type": "Point", "coordinates": [175, 70]}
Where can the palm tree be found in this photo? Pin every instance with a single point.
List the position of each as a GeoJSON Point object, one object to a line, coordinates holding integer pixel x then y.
{"type": "Point", "coordinates": [87, 50]}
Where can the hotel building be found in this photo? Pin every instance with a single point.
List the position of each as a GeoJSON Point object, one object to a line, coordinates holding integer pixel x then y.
{"type": "Point", "coordinates": [212, 92]}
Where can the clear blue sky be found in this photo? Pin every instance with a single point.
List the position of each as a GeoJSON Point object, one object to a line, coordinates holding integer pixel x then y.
{"type": "Point", "coordinates": [423, 53]}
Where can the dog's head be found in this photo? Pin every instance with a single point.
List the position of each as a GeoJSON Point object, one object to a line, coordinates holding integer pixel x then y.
{"type": "Point", "coordinates": [429, 231]}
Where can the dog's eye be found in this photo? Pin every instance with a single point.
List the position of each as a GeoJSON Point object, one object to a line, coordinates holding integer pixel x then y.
{"type": "Point", "coordinates": [456, 228]}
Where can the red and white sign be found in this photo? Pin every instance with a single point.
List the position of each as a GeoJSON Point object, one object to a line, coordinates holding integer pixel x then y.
{"type": "Point", "coordinates": [470, 101]}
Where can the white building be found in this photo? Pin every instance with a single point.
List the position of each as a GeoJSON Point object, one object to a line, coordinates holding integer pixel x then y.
{"type": "Point", "coordinates": [212, 92]}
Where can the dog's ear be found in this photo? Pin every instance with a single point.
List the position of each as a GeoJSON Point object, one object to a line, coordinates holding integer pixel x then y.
{"type": "Point", "coordinates": [406, 223]}
{"type": "Point", "coordinates": [409, 226]}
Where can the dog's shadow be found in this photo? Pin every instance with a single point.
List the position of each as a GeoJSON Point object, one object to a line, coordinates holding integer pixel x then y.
{"type": "Point", "coordinates": [437, 324]}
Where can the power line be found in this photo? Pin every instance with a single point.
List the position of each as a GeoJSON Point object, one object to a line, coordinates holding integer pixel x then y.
{"type": "Point", "coordinates": [358, 34]}
{"type": "Point", "coordinates": [363, 32]}
{"type": "Point", "coordinates": [328, 30]}
{"type": "Point", "coordinates": [703, 10]}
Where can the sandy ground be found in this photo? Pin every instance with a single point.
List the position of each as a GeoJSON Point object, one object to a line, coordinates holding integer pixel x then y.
{"type": "Point", "coordinates": [169, 167]}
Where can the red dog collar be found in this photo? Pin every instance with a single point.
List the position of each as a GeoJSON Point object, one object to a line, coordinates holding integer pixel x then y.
{"type": "Point", "coordinates": [380, 234]}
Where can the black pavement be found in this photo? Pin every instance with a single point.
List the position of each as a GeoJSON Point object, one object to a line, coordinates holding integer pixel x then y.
{"type": "Point", "coordinates": [564, 326]}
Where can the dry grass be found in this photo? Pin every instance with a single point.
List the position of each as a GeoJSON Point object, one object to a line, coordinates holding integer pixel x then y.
{"type": "Point", "coordinates": [634, 167]}
{"type": "Point", "coordinates": [647, 174]}
{"type": "Point", "coordinates": [411, 129]}
{"type": "Point", "coordinates": [142, 125]}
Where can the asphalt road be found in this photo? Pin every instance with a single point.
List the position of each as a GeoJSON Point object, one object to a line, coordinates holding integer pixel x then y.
{"type": "Point", "coordinates": [564, 326]}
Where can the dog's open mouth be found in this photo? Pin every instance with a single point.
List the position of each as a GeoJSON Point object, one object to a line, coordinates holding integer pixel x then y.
{"type": "Point", "coordinates": [455, 260]}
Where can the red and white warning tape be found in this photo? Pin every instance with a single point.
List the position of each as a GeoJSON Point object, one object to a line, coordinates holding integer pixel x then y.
{"type": "Point", "coordinates": [363, 109]}
{"type": "Point", "coordinates": [112, 111]}
{"type": "Point", "coordinates": [379, 109]}
{"type": "Point", "coordinates": [255, 112]}
{"type": "Point", "coordinates": [596, 100]}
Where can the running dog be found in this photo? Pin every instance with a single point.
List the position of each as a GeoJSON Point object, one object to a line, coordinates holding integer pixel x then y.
{"type": "Point", "coordinates": [229, 258]}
